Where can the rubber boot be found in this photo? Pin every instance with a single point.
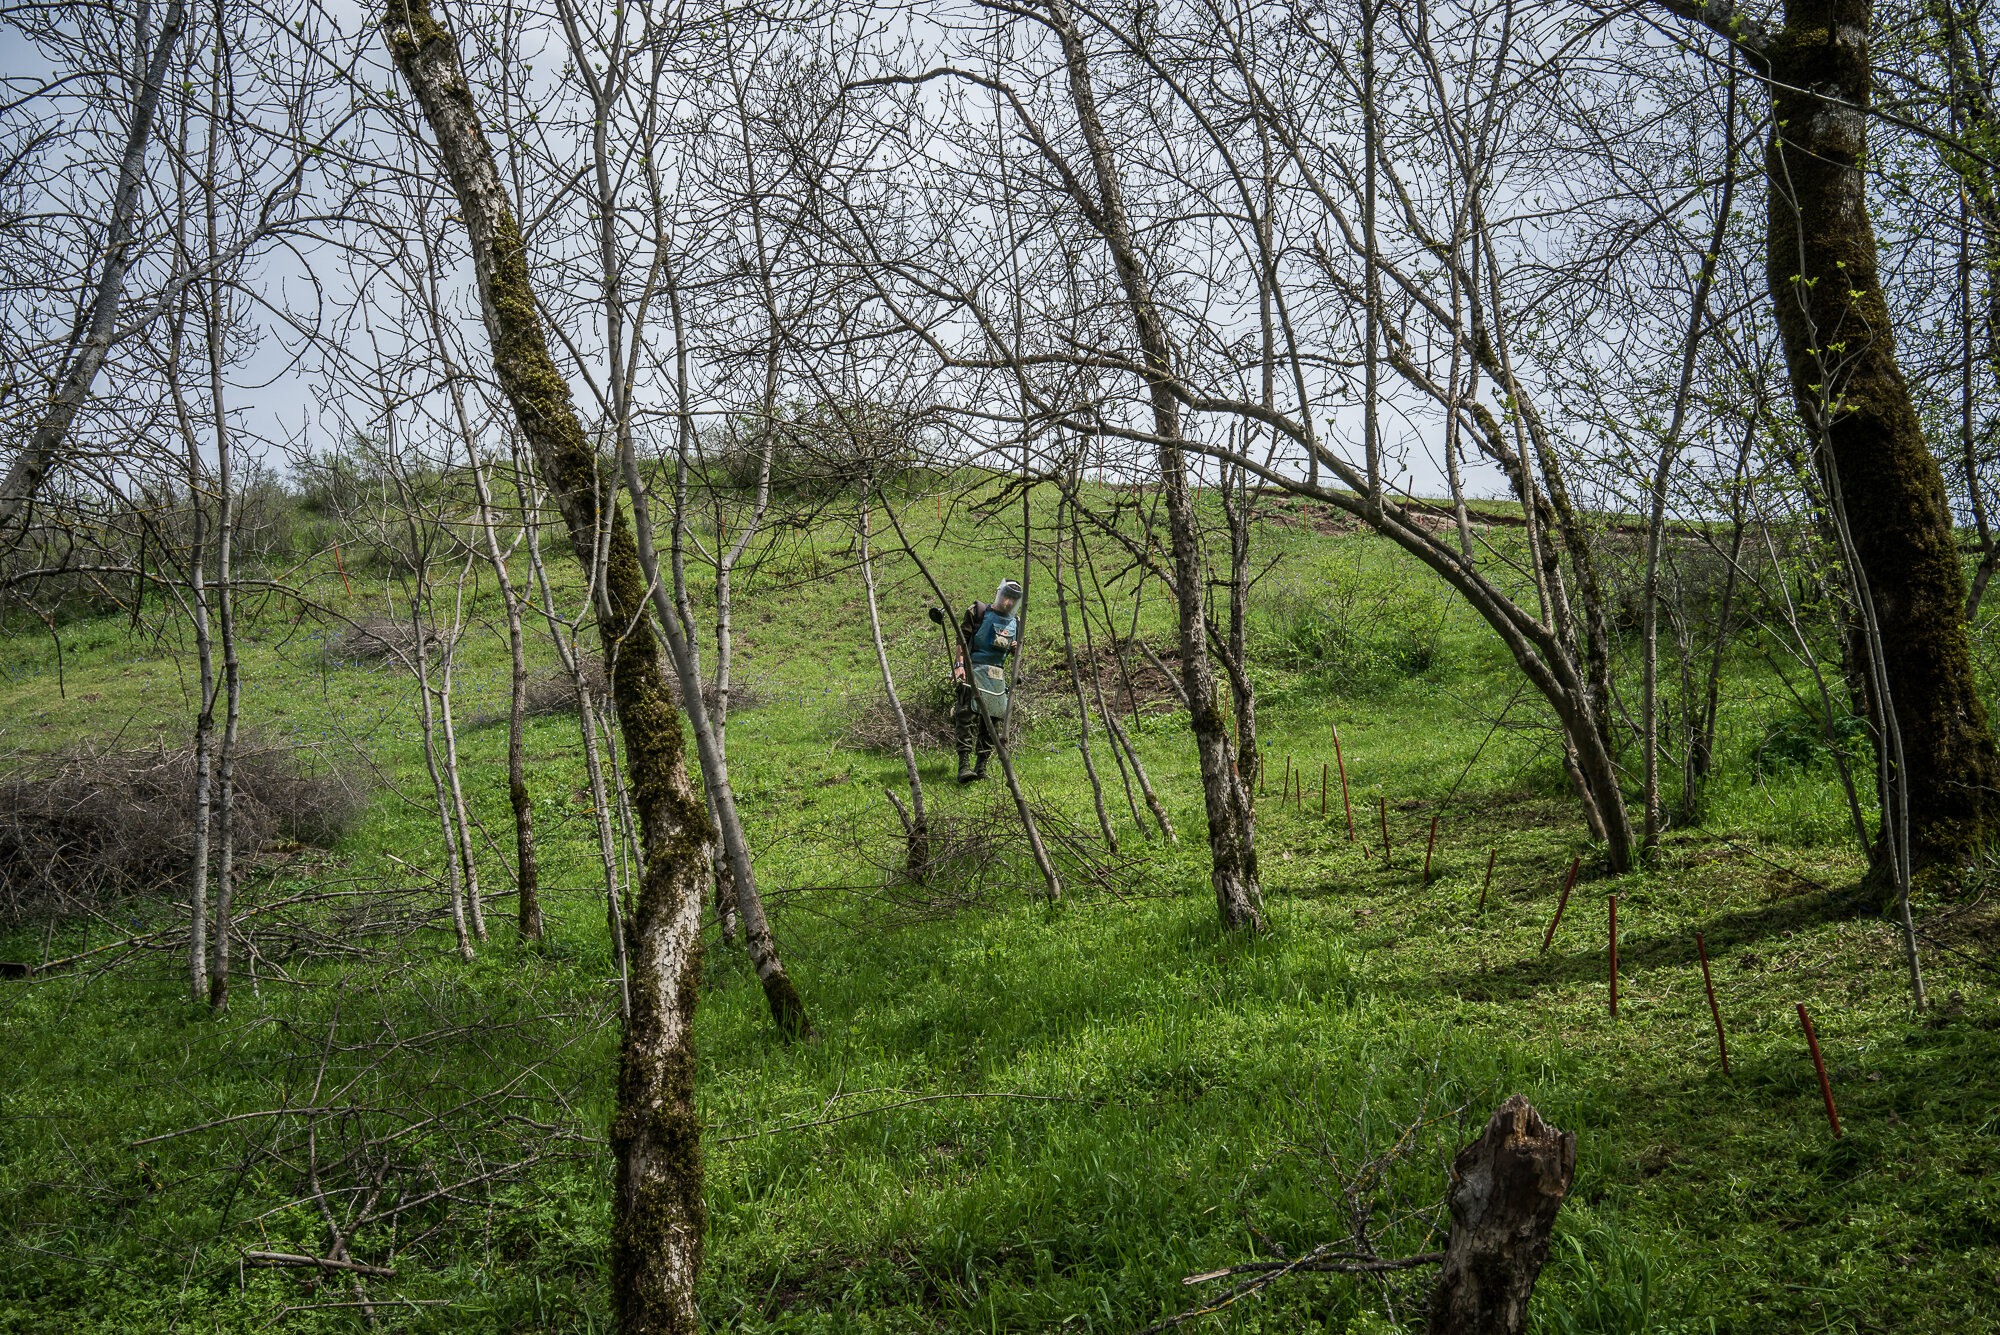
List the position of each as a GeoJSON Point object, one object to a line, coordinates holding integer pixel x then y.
{"type": "Point", "coordinates": [978, 770]}
{"type": "Point", "coordinates": [966, 773]}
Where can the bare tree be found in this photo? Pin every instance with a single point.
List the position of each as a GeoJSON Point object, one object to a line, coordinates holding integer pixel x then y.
{"type": "Point", "coordinates": [97, 318]}
{"type": "Point", "coordinates": [1179, 143]}
{"type": "Point", "coordinates": [528, 909]}
{"type": "Point", "coordinates": [625, 183]}
{"type": "Point", "coordinates": [916, 822]}
{"type": "Point", "coordinates": [1076, 689]}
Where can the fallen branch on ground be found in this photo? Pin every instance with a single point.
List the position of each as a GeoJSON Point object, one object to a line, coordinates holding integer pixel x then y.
{"type": "Point", "coordinates": [1322, 1259]}
{"type": "Point", "coordinates": [324, 1262]}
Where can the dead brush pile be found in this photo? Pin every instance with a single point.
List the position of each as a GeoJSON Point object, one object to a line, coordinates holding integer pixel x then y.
{"type": "Point", "coordinates": [873, 726]}
{"type": "Point", "coordinates": [979, 858]}
{"type": "Point", "coordinates": [89, 826]}
{"type": "Point", "coordinates": [386, 640]}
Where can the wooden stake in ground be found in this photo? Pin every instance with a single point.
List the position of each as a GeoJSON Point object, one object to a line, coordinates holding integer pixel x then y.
{"type": "Point", "coordinates": [1611, 902]}
{"type": "Point", "coordinates": [1491, 854]}
{"type": "Point", "coordinates": [1721, 1044]}
{"type": "Point", "coordinates": [1819, 1066]}
{"type": "Point", "coordinates": [1561, 904]}
{"type": "Point", "coordinates": [1506, 1188]}
{"type": "Point", "coordinates": [1341, 761]}
{"type": "Point", "coordinates": [1428, 847]}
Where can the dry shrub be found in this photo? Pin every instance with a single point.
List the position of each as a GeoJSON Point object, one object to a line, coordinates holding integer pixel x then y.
{"type": "Point", "coordinates": [91, 825]}
{"type": "Point", "coordinates": [385, 639]}
{"type": "Point", "coordinates": [555, 692]}
{"type": "Point", "coordinates": [873, 726]}
{"type": "Point", "coordinates": [980, 857]}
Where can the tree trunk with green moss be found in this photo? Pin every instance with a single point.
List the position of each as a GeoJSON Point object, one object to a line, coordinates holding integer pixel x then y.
{"type": "Point", "coordinates": [1840, 347]}
{"type": "Point", "coordinates": [657, 1221]}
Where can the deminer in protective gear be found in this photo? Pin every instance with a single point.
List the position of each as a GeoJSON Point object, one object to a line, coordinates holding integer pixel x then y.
{"type": "Point", "coordinates": [988, 633]}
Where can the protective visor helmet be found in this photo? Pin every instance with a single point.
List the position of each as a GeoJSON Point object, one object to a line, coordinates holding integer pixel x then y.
{"type": "Point", "coordinates": [1007, 597]}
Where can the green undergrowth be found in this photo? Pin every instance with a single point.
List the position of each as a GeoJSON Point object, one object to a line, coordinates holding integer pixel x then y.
{"type": "Point", "coordinates": [1017, 1116]}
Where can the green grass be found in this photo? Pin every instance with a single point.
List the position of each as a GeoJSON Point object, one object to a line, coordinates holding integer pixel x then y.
{"type": "Point", "coordinates": [1116, 1095]}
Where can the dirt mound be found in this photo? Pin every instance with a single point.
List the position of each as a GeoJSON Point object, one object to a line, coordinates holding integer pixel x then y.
{"type": "Point", "coordinates": [1129, 679]}
{"type": "Point", "coordinates": [555, 692]}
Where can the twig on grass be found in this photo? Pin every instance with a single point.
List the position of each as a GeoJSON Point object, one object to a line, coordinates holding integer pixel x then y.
{"type": "Point", "coordinates": [284, 1312]}
{"type": "Point", "coordinates": [1322, 1260]}
{"type": "Point", "coordinates": [1345, 1263]}
{"type": "Point", "coordinates": [891, 1107]}
{"type": "Point", "coordinates": [1347, 802]}
{"type": "Point", "coordinates": [262, 1259]}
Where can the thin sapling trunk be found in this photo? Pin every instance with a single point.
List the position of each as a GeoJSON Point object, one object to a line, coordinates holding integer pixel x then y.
{"type": "Point", "coordinates": [917, 855]}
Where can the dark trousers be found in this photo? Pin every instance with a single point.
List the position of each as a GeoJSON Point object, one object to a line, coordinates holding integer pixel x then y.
{"type": "Point", "coordinates": [972, 733]}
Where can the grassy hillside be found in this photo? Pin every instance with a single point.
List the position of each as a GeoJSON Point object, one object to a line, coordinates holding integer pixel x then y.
{"type": "Point", "coordinates": [1015, 1116]}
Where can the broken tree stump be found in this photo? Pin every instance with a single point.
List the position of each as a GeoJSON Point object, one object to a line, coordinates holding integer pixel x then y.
{"type": "Point", "coordinates": [1506, 1188]}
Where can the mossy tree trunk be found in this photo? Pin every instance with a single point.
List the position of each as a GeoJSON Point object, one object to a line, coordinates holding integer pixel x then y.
{"type": "Point", "coordinates": [657, 1220]}
{"type": "Point", "coordinates": [1841, 353]}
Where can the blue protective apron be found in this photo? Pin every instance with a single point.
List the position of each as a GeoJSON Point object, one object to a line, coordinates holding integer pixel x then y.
{"type": "Point", "coordinates": [991, 685]}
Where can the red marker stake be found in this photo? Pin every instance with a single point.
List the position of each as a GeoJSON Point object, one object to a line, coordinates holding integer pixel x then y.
{"type": "Point", "coordinates": [1561, 904]}
{"type": "Point", "coordinates": [1825, 1090]}
{"type": "Point", "coordinates": [1385, 833]}
{"type": "Point", "coordinates": [1491, 854]}
{"type": "Point", "coordinates": [1427, 850]}
{"type": "Point", "coordinates": [1612, 901]}
{"type": "Point", "coordinates": [1721, 1044]}
{"type": "Point", "coordinates": [1344, 800]}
